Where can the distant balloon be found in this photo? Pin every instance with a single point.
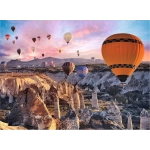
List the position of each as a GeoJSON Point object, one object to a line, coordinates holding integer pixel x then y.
{"type": "Point", "coordinates": [67, 37]}
{"type": "Point", "coordinates": [13, 28]}
{"type": "Point", "coordinates": [44, 64]}
{"type": "Point", "coordinates": [43, 55]}
{"type": "Point", "coordinates": [49, 36]}
{"type": "Point", "coordinates": [19, 51]}
{"type": "Point", "coordinates": [7, 36]}
{"type": "Point", "coordinates": [16, 37]}
{"type": "Point", "coordinates": [93, 58]}
{"type": "Point", "coordinates": [38, 38]}
{"type": "Point", "coordinates": [13, 42]}
{"type": "Point", "coordinates": [82, 71]}
{"type": "Point", "coordinates": [59, 50]}
{"type": "Point", "coordinates": [68, 67]}
{"type": "Point", "coordinates": [33, 49]}
{"type": "Point", "coordinates": [34, 39]}
{"type": "Point", "coordinates": [78, 52]}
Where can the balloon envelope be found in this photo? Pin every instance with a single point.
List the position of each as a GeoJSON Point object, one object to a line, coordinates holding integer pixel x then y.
{"type": "Point", "coordinates": [33, 49]}
{"type": "Point", "coordinates": [68, 67]}
{"type": "Point", "coordinates": [82, 71]}
{"type": "Point", "coordinates": [48, 36]}
{"type": "Point", "coordinates": [123, 53]}
{"type": "Point", "coordinates": [19, 51]}
{"type": "Point", "coordinates": [38, 38]}
{"type": "Point", "coordinates": [43, 55]}
{"type": "Point", "coordinates": [67, 37]}
{"type": "Point", "coordinates": [7, 36]}
{"type": "Point", "coordinates": [16, 37]}
{"type": "Point", "coordinates": [13, 42]}
{"type": "Point", "coordinates": [34, 39]}
{"type": "Point", "coordinates": [13, 28]}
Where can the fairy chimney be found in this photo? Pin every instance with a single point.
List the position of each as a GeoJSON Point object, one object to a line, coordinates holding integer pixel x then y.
{"type": "Point", "coordinates": [129, 125]}
{"type": "Point", "coordinates": [113, 112]}
{"type": "Point", "coordinates": [94, 99]}
{"type": "Point", "coordinates": [82, 105]}
{"type": "Point", "coordinates": [76, 99]}
{"type": "Point", "coordinates": [144, 120]}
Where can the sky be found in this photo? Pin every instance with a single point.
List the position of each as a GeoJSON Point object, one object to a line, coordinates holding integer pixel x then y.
{"type": "Point", "coordinates": [88, 36]}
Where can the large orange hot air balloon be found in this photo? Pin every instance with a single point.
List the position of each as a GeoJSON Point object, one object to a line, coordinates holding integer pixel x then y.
{"type": "Point", "coordinates": [123, 53]}
{"type": "Point", "coordinates": [68, 67]}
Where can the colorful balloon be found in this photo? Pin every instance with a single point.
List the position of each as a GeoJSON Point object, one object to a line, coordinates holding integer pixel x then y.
{"type": "Point", "coordinates": [59, 50]}
{"type": "Point", "coordinates": [13, 42]}
{"type": "Point", "coordinates": [38, 38]}
{"type": "Point", "coordinates": [34, 39]}
{"type": "Point", "coordinates": [82, 71]}
{"type": "Point", "coordinates": [7, 36]}
{"type": "Point", "coordinates": [49, 36]}
{"type": "Point", "coordinates": [33, 49]}
{"type": "Point", "coordinates": [123, 53]}
{"type": "Point", "coordinates": [16, 37]}
{"type": "Point", "coordinates": [13, 28]}
{"type": "Point", "coordinates": [68, 67]}
{"type": "Point", "coordinates": [67, 37]}
{"type": "Point", "coordinates": [19, 51]}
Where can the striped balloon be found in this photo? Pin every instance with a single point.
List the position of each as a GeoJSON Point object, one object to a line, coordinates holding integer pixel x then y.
{"type": "Point", "coordinates": [68, 67]}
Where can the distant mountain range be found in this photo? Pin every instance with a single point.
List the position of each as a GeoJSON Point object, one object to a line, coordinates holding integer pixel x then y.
{"type": "Point", "coordinates": [58, 62]}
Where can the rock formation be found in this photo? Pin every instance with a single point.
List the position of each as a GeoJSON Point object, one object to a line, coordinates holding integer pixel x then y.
{"type": "Point", "coordinates": [94, 100]}
{"type": "Point", "coordinates": [113, 112]}
{"type": "Point", "coordinates": [144, 120]}
{"type": "Point", "coordinates": [70, 121]}
{"type": "Point", "coordinates": [82, 105]}
{"type": "Point", "coordinates": [129, 124]}
{"type": "Point", "coordinates": [30, 111]}
{"type": "Point", "coordinates": [86, 115]}
{"type": "Point", "coordinates": [76, 99]}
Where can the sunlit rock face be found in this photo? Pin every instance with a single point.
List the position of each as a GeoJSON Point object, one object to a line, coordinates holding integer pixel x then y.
{"type": "Point", "coordinates": [113, 112]}
{"type": "Point", "coordinates": [129, 124]}
{"type": "Point", "coordinates": [144, 120]}
{"type": "Point", "coordinates": [70, 121]}
{"type": "Point", "coordinates": [30, 111]}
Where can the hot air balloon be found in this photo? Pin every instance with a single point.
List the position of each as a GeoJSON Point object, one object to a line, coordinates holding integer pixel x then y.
{"type": "Point", "coordinates": [93, 58]}
{"type": "Point", "coordinates": [13, 28]}
{"type": "Point", "coordinates": [59, 50]}
{"type": "Point", "coordinates": [7, 36]}
{"type": "Point", "coordinates": [78, 52]}
{"type": "Point", "coordinates": [123, 53]}
{"type": "Point", "coordinates": [44, 64]}
{"type": "Point", "coordinates": [49, 36]}
{"type": "Point", "coordinates": [13, 42]}
{"type": "Point", "coordinates": [34, 39]}
{"type": "Point", "coordinates": [19, 51]}
{"type": "Point", "coordinates": [68, 67]}
{"type": "Point", "coordinates": [43, 55]}
{"type": "Point", "coordinates": [67, 37]}
{"type": "Point", "coordinates": [82, 71]}
{"type": "Point", "coordinates": [33, 49]}
{"type": "Point", "coordinates": [38, 38]}
{"type": "Point", "coordinates": [16, 37]}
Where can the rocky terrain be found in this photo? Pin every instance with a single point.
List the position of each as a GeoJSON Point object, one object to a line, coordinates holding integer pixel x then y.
{"type": "Point", "coordinates": [40, 98]}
